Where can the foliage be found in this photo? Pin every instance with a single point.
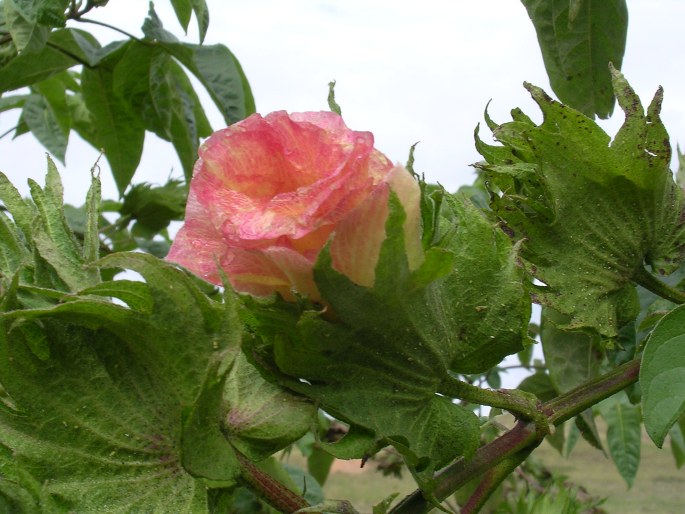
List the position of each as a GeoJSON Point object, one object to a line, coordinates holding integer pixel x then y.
{"type": "Point", "coordinates": [166, 393]}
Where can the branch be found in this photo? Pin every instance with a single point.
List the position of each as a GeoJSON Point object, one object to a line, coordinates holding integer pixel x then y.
{"type": "Point", "coordinates": [268, 488]}
{"type": "Point", "coordinates": [651, 283]}
{"type": "Point", "coordinates": [524, 436]}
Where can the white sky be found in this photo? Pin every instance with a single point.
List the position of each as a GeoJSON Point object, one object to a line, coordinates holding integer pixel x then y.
{"type": "Point", "coordinates": [406, 71]}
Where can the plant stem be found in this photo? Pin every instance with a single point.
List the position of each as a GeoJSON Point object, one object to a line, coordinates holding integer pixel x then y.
{"type": "Point", "coordinates": [112, 27]}
{"type": "Point", "coordinates": [591, 392]}
{"type": "Point", "coordinates": [492, 479]}
{"type": "Point", "coordinates": [268, 488]}
{"type": "Point", "coordinates": [522, 404]}
{"type": "Point", "coordinates": [524, 436]}
{"type": "Point", "coordinates": [651, 283]}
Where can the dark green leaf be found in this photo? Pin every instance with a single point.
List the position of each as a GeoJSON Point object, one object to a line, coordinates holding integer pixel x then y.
{"type": "Point", "coordinates": [118, 129]}
{"type": "Point", "coordinates": [662, 376]}
{"type": "Point", "coordinates": [215, 67]}
{"type": "Point", "coordinates": [155, 206]}
{"type": "Point", "coordinates": [578, 41]}
{"type": "Point", "coordinates": [45, 125]}
{"type": "Point", "coordinates": [572, 357]}
{"type": "Point", "coordinates": [590, 212]}
{"type": "Point", "coordinates": [202, 15]}
{"type": "Point", "coordinates": [29, 68]}
{"type": "Point", "coordinates": [22, 24]}
{"type": "Point", "coordinates": [183, 10]}
{"type": "Point", "coordinates": [624, 434]}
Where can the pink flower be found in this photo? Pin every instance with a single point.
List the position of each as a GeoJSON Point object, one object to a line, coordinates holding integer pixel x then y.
{"type": "Point", "coordinates": [268, 192]}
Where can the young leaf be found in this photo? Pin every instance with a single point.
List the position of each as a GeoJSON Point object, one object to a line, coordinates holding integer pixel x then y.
{"type": "Point", "coordinates": [590, 213]}
{"type": "Point", "coordinates": [662, 376]}
{"type": "Point", "coordinates": [577, 46]}
{"type": "Point", "coordinates": [624, 435]}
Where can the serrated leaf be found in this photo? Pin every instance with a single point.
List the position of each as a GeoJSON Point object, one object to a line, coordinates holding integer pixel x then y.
{"type": "Point", "coordinates": [601, 210]}
{"type": "Point", "coordinates": [624, 435]}
{"type": "Point", "coordinates": [662, 376]}
{"type": "Point", "coordinates": [578, 41]}
{"type": "Point", "coordinates": [101, 420]}
{"type": "Point", "coordinates": [53, 238]}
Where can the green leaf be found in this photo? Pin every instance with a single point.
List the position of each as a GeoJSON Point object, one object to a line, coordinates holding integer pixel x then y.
{"type": "Point", "coordinates": [624, 435]}
{"type": "Point", "coordinates": [183, 10]}
{"type": "Point", "coordinates": [678, 443]}
{"type": "Point", "coordinates": [589, 212]}
{"type": "Point", "coordinates": [91, 234]}
{"type": "Point", "coordinates": [662, 376]}
{"type": "Point", "coordinates": [53, 238]}
{"type": "Point", "coordinates": [118, 129]}
{"type": "Point", "coordinates": [540, 384]}
{"type": "Point", "coordinates": [22, 24]}
{"type": "Point", "coordinates": [262, 418]}
{"type": "Point", "coordinates": [384, 361]}
{"type": "Point", "coordinates": [155, 206]}
{"type": "Point", "coordinates": [66, 48]}
{"type": "Point", "coordinates": [101, 422]}
{"type": "Point", "coordinates": [178, 108]}
{"type": "Point", "coordinates": [578, 41]}
{"type": "Point", "coordinates": [572, 357]}
{"type": "Point", "coordinates": [215, 67]}
{"type": "Point", "coordinates": [202, 16]}
{"type": "Point", "coordinates": [45, 126]}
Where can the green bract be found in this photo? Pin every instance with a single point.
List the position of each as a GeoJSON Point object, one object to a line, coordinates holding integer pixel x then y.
{"type": "Point", "coordinates": [378, 357]}
{"type": "Point", "coordinates": [590, 212]}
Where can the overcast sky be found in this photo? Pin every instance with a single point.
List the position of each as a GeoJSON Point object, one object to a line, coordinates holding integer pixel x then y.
{"type": "Point", "coordinates": [406, 71]}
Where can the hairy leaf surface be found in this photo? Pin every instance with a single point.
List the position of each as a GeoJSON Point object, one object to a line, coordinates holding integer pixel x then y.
{"type": "Point", "coordinates": [590, 211]}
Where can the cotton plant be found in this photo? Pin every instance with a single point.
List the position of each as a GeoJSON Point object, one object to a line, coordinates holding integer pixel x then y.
{"type": "Point", "coordinates": [318, 283]}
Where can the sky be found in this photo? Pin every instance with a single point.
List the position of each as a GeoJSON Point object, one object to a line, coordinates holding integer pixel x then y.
{"type": "Point", "coordinates": [406, 71]}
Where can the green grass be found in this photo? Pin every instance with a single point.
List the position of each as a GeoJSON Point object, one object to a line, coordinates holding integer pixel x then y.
{"type": "Point", "coordinates": [659, 487]}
